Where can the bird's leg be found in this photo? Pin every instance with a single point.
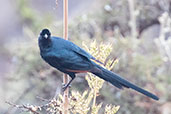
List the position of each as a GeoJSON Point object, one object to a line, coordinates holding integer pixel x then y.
{"type": "Point", "coordinates": [68, 84]}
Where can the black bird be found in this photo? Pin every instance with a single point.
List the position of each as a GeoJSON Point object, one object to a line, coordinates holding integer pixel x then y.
{"type": "Point", "coordinates": [71, 59]}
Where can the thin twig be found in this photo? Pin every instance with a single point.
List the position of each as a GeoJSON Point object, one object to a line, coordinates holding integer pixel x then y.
{"type": "Point", "coordinates": [42, 99]}
{"type": "Point", "coordinates": [27, 107]}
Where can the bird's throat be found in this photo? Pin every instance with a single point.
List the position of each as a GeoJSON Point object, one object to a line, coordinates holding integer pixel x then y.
{"type": "Point", "coordinates": [44, 44]}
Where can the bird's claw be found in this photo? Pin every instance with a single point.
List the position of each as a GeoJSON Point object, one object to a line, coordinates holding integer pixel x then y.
{"type": "Point", "coordinates": [65, 86]}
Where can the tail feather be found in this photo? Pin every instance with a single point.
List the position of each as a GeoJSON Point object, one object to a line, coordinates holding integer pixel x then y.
{"type": "Point", "coordinates": [119, 82]}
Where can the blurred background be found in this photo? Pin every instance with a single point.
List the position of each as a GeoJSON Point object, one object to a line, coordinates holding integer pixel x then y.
{"type": "Point", "coordinates": [139, 31]}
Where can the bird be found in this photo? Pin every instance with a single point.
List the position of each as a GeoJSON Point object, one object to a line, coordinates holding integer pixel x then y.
{"type": "Point", "coordinates": [70, 59]}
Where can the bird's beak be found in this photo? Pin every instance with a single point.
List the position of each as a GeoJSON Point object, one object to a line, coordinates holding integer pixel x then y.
{"type": "Point", "coordinates": [46, 36]}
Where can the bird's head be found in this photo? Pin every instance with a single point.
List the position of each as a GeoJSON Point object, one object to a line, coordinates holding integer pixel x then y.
{"type": "Point", "coordinates": [45, 34]}
{"type": "Point", "coordinates": [44, 39]}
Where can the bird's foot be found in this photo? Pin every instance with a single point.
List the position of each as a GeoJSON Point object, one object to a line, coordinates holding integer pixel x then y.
{"type": "Point", "coordinates": [65, 86]}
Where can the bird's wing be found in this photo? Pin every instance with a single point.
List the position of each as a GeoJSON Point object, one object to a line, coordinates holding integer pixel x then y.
{"type": "Point", "coordinates": [73, 47]}
{"type": "Point", "coordinates": [82, 52]}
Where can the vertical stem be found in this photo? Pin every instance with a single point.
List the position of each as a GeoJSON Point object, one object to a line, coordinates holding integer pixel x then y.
{"type": "Point", "coordinates": [65, 35]}
{"type": "Point", "coordinates": [65, 19]}
{"type": "Point", "coordinates": [94, 99]}
{"type": "Point", "coordinates": [95, 93]}
{"type": "Point", "coordinates": [132, 22]}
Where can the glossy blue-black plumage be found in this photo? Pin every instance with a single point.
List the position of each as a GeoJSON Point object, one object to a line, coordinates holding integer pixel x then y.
{"type": "Point", "coordinates": [71, 59]}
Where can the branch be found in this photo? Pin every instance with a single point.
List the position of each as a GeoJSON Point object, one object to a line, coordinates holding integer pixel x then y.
{"type": "Point", "coordinates": [30, 108]}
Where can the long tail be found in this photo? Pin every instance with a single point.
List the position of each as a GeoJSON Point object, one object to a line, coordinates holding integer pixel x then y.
{"type": "Point", "coordinates": [119, 82]}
